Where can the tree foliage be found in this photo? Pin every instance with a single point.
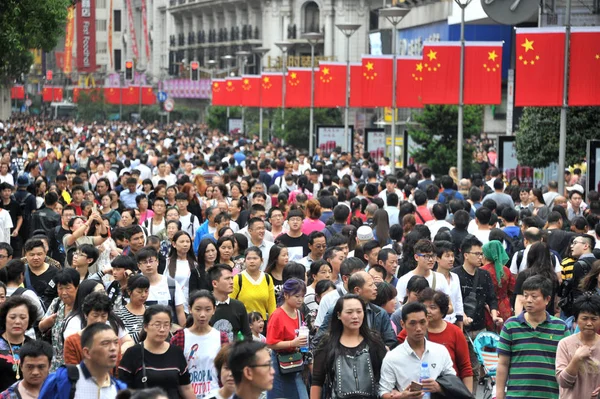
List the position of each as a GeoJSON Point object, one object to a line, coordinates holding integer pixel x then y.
{"type": "Point", "coordinates": [436, 134]}
{"type": "Point", "coordinates": [297, 122]}
{"type": "Point", "coordinates": [26, 25]}
{"type": "Point", "coordinates": [537, 139]}
{"type": "Point", "coordinates": [217, 117]}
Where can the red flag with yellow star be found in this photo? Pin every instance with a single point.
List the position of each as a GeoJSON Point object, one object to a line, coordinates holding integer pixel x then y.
{"type": "Point", "coordinates": [251, 91]}
{"type": "Point", "coordinates": [408, 82]}
{"type": "Point", "coordinates": [131, 95]}
{"type": "Point", "coordinates": [330, 85]}
{"type": "Point", "coordinates": [584, 67]}
{"type": "Point", "coordinates": [233, 92]}
{"type": "Point", "coordinates": [218, 92]}
{"type": "Point", "coordinates": [297, 88]}
{"type": "Point", "coordinates": [483, 73]}
{"type": "Point", "coordinates": [112, 95]}
{"type": "Point", "coordinates": [441, 72]}
{"type": "Point", "coordinates": [356, 94]}
{"type": "Point", "coordinates": [271, 90]}
{"type": "Point", "coordinates": [539, 74]}
{"type": "Point", "coordinates": [148, 96]}
{"type": "Point", "coordinates": [376, 82]}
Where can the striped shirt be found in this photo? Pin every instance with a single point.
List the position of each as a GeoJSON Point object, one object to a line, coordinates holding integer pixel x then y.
{"type": "Point", "coordinates": [532, 353]}
{"type": "Point", "coordinates": [132, 322]}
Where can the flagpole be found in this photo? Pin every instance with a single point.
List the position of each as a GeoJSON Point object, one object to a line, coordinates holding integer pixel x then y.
{"type": "Point", "coordinates": [394, 15]}
{"type": "Point", "coordinates": [562, 146]}
{"type": "Point", "coordinates": [312, 39]}
{"type": "Point", "coordinates": [284, 47]}
{"type": "Point", "coordinates": [461, 91]}
{"type": "Point", "coordinates": [260, 51]}
{"type": "Point", "coordinates": [244, 59]}
{"type": "Point", "coordinates": [348, 30]}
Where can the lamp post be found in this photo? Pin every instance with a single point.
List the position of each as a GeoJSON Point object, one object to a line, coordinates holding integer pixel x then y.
{"type": "Point", "coordinates": [141, 72]}
{"type": "Point", "coordinates": [312, 38]}
{"type": "Point", "coordinates": [562, 140]}
{"type": "Point", "coordinates": [243, 60]}
{"type": "Point", "coordinates": [227, 58]}
{"type": "Point", "coordinates": [212, 64]}
{"type": "Point", "coordinates": [260, 51]}
{"type": "Point", "coordinates": [348, 30]}
{"type": "Point", "coordinates": [394, 15]}
{"type": "Point", "coordinates": [284, 47]}
{"type": "Point", "coordinates": [461, 92]}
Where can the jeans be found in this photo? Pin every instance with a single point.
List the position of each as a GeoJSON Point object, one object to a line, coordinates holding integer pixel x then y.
{"type": "Point", "coordinates": [288, 386]}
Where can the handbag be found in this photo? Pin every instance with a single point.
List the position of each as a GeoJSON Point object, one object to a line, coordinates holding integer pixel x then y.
{"type": "Point", "coordinates": [290, 363]}
{"type": "Point", "coordinates": [471, 302]}
{"type": "Point", "coordinates": [453, 387]}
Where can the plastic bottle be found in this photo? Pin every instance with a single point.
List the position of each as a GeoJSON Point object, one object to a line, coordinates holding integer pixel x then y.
{"type": "Point", "coordinates": [425, 375]}
{"type": "Point", "coordinates": [239, 336]}
{"type": "Point", "coordinates": [304, 332]}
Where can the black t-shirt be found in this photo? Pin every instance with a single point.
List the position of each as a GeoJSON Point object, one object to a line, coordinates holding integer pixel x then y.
{"type": "Point", "coordinates": [291, 242]}
{"type": "Point", "coordinates": [231, 318]}
{"type": "Point", "coordinates": [55, 241]}
{"type": "Point", "coordinates": [14, 209]}
{"type": "Point", "coordinates": [485, 294]}
{"type": "Point", "coordinates": [7, 373]}
{"type": "Point", "coordinates": [167, 371]}
{"type": "Point", "coordinates": [558, 240]}
{"type": "Point", "coordinates": [40, 283]}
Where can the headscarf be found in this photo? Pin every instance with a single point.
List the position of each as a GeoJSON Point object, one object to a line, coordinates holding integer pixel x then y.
{"type": "Point", "coordinates": [495, 252]}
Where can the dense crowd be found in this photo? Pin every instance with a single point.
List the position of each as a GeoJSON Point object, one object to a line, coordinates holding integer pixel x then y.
{"type": "Point", "coordinates": [146, 261]}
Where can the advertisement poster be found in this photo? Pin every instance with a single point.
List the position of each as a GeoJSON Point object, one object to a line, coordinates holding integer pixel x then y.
{"type": "Point", "coordinates": [593, 167]}
{"type": "Point", "coordinates": [375, 143]}
{"type": "Point", "coordinates": [399, 148]}
{"type": "Point", "coordinates": [331, 137]}
{"type": "Point", "coordinates": [86, 36]}
{"type": "Point", "coordinates": [234, 125]}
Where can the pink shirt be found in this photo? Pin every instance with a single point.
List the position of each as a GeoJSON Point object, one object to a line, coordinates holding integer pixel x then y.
{"type": "Point", "coordinates": [310, 225]}
{"type": "Point", "coordinates": [145, 216]}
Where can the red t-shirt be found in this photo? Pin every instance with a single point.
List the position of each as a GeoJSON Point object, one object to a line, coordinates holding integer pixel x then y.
{"type": "Point", "coordinates": [281, 327]}
{"type": "Point", "coordinates": [456, 343]}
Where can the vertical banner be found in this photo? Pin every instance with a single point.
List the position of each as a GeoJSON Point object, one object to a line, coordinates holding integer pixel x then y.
{"type": "Point", "coordinates": [68, 56]}
{"type": "Point", "coordinates": [110, 31]}
{"type": "Point", "coordinates": [86, 36]}
{"type": "Point", "coordinates": [375, 143]}
{"type": "Point", "coordinates": [133, 39]}
{"type": "Point", "coordinates": [145, 38]}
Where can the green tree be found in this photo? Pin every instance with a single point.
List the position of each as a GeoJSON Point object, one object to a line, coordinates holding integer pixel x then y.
{"type": "Point", "coordinates": [26, 25]}
{"type": "Point", "coordinates": [91, 106]}
{"type": "Point", "coordinates": [537, 139]}
{"type": "Point", "coordinates": [297, 123]}
{"type": "Point", "coordinates": [436, 134]}
{"type": "Point", "coordinates": [217, 116]}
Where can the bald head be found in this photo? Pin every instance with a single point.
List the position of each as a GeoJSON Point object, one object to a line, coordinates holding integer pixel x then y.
{"type": "Point", "coordinates": [362, 284]}
{"type": "Point", "coordinates": [532, 235]}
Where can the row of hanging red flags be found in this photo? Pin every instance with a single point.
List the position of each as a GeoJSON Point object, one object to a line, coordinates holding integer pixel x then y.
{"type": "Point", "coordinates": [116, 95]}
{"type": "Point", "coordinates": [434, 77]}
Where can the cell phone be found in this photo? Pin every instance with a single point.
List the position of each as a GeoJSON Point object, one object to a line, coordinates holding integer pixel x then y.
{"type": "Point", "coordinates": [415, 386]}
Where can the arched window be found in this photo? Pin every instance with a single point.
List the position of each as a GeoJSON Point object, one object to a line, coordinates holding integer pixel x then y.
{"type": "Point", "coordinates": [311, 17]}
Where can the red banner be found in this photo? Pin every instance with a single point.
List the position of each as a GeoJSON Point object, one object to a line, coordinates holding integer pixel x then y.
{"type": "Point", "coordinates": [584, 64]}
{"type": "Point", "coordinates": [483, 73]}
{"type": "Point", "coordinates": [441, 73]}
{"type": "Point", "coordinates": [271, 91]}
{"type": "Point", "coordinates": [132, 38]}
{"type": "Point", "coordinates": [250, 91]}
{"type": "Point", "coordinates": [52, 94]}
{"type": "Point", "coordinates": [69, 33]}
{"type": "Point", "coordinates": [297, 88]}
{"type": "Point", "coordinates": [377, 81]}
{"type": "Point", "coordinates": [330, 85]}
{"type": "Point", "coordinates": [86, 36]}
{"type": "Point", "coordinates": [356, 76]}
{"type": "Point", "coordinates": [218, 92]}
{"type": "Point", "coordinates": [145, 32]}
{"type": "Point", "coordinates": [17, 93]}
{"type": "Point", "coordinates": [408, 82]}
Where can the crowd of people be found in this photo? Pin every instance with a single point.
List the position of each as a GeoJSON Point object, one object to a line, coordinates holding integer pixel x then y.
{"type": "Point", "coordinates": [139, 261]}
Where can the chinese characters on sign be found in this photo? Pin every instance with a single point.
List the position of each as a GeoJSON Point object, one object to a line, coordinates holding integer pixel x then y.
{"type": "Point", "coordinates": [86, 36]}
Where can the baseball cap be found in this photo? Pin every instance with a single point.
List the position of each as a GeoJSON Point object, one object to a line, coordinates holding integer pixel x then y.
{"type": "Point", "coordinates": [23, 181]}
{"type": "Point", "coordinates": [364, 233]}
{"type": "Point", "coordinates": [575, 187]}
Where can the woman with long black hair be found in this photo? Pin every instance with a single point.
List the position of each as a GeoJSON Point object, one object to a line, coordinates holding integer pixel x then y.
{"type": "Point", "coordinates": [207, 258]}
{"type": "Point", "coordinates": [181, 263]}
{"type": "Point", "coordinates": [350, 349]}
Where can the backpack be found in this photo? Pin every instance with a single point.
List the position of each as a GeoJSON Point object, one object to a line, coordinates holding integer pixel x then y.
{"type": "Point", "coordinates": [567, 290]}
{"type": "Point", "coordinates": [73, 376]}
{"type": "Point", "coordinates": [354, 376]}
{"type": "Point", "coordinates": [23, 205]}
{"type": "Point", "coordinates": [449, 197]}
{"type": "Point", "coordinates": [240, 280]}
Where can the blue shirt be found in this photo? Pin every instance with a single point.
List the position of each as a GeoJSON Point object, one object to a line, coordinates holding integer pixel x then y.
{"type": "Point", "coordinates": [128, 198]}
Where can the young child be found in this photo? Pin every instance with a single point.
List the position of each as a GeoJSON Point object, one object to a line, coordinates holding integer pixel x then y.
{"type": "Point", "coordinates": [257, 325]}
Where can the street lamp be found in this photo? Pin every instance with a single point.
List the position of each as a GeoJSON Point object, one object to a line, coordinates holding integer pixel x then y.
{"type": "Point", "coordinates": [348, 30]}
{"type": "Point", "coordinates": [212, 64]}
{"type": "Point", "coordinates": [227, 58]}
{"type": "Point", "coordinates": [260, 51]}
{"type": "Point", "coordinates": [394, 15]}
{"type": "Point", "coordinates": [244, 59]}
{"type": "Point", "coordinates": [312, 38]}
{"type": "Point", "coordinates": [284, 47]}
{"type": "Point", "coordinates": [461, 91]}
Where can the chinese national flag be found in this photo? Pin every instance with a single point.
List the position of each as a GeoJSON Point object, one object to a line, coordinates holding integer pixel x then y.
{"type": "Point", "coordinates": [330, 85]}
{"type": "Point", "coordinates": [47, 94]}
{"type": "Point", "coordinates": [483, 73]}
{"type": "Point", "coordinates": [75, 94]}
{"type": "Point", "coordinates": [218, 92]}
{"type": "Point", "coordinates": [233, 92]}
{"type": "Point", "coordinates": [251, 91]}
{"type": "Point", "coordinates": [271, 90]}
{"type": "Point", "coordinates": [17, 92]}
{"type": "Point", "coordinates": [57, 94]}
{"type": "Point", "coordinates": [131, 95]}
{"type": "Point", "coordinates": [356, 93]}
{"type": "Point", "coordinates": [441, 73]}
{"type": "Point", "coordinates": [584, 67]}
{"type": "Point", "coordinates": [297, 88]}
{"type": "Point", "coordinates": [540, 67]}
{"type": "Point", "coordinates": [377, 81]}
{"type": "Point", "coordinates": [408, 82]}
{"type": "Point", "coordinates": [148, 97]}
{"type": "Point", "coordinates": [112, 95]}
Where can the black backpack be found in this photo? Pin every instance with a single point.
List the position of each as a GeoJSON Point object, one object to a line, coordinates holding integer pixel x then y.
{"type": "Point", "coordinates": [568, 291]}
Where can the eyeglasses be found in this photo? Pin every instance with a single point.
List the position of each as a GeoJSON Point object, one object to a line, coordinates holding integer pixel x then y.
{"type": "Point", "coordinates": [427, 256]}
{"type": "Point", "coordinates": [478, 254]}
{"type": "Point", "coordinates": [160, 326]}
{"type": "Point", "coordinates": [78, 254]}
{"type": "Point", "coordinates": [578, 242]}
{"type": "Point", "coordinates": [252, 366]}
{"type": "Point", "coordinates": [148, 261]}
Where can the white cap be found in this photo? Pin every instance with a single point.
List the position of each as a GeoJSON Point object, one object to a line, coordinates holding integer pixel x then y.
{"type": "Point", "coordinates": [364, 233]}
{"type": "Point", "coordinates": [575, 187]}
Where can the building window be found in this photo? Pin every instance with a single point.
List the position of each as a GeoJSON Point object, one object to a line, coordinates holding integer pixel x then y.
{"type": "Point", "coordinates": [117, 59]}
{"type": "Point", "coordinates": [101, 48]}
{"type": "Point", "coordinates": [311, 17]}
{"type": "Point", "coordinates": [117, 20]}
{"type": "Point", "coordinates": [100, 25]}
{"type": "Point", "coordinates": [100, 3]}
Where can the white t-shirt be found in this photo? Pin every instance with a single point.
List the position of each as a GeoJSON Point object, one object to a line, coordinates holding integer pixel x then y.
{"type": "Point", "coordinates": [200, 352]}
{"type": "Point", "coordinates": [440, 284]}
{"type": "Point", "coordinates": [159, 294]}
{"type": "Point", "coordinates": [515, 269]}
{"type": "Point", "coordinates": [182, 277]}
{"type": "Point", "coordinates": [187, 225]}
{"type": "Point", "coordinates": [5, 225]}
